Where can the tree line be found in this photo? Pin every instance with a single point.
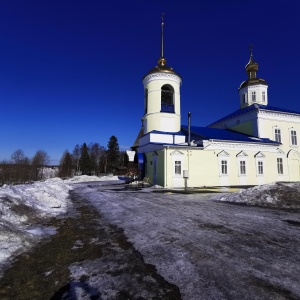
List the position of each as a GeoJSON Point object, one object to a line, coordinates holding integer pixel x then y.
{"type": "Point", "coordinates": [22, 169]}
{"type": "Point", "coordinates": [92, 159]}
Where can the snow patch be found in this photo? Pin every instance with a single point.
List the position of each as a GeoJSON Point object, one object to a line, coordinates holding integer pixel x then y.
{"type": "Point", "coordinates": [278, 194]}
{"type": "Point", "coordinates": [22, 205]}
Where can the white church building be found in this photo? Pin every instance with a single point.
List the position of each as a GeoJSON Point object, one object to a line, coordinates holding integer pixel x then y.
{"type": "Point", "coordinates": [254, 145]}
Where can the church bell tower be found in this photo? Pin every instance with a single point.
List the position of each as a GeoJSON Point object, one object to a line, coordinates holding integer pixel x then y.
{"type": "Point", "coordinates": [161, 96]}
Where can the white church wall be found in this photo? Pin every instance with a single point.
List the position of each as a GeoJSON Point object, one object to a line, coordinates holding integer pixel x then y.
{"type": "Point", "coordinates": [205, 168]}
{"type": "Point", "coordinates": [286, 124]}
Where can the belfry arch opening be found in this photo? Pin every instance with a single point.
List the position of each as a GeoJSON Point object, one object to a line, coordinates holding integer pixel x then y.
{"type": "Point", "coordinates": [167, 98]}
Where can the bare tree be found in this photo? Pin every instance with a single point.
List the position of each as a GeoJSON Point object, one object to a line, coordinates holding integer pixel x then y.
{"type": "Point", "coordinates": [21, 171]}
{"type": "Point", "coordinates": [18, 157]}
{"type": "Point", "coordinates": [39, 161]}
{"type": "Point", "coordinates": [66, 165]}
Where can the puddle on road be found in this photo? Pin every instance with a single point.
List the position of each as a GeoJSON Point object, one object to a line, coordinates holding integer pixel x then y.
{"type": "Point", "coordinates": [43, 273]}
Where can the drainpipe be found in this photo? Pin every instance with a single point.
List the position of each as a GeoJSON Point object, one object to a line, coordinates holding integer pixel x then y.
{"type": "Point", "coordinates": [166, 165]}
{"type": "Point", "coordinates": [189, 128]}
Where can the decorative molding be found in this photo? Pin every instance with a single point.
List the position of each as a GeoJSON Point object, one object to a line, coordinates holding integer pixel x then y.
{"type": "Point", "coordinates": [161, 76]}
{"type": "Point", "coordinates": [176, 152]}
{"type": "Point", "coordinates": [237, 146]}
{"type": "Point", "coordinates": [223, 153]}
{"type": "Point", "coordinates": [259, 155]}
{"type": "Point", "coordinates": [278, 116]}
{"type": "Point", "coordinates": [242, 154]}
{"type": "Point", "coordinates": [280, 151]}
{"type": "Point", "coordinates": [292, 151]}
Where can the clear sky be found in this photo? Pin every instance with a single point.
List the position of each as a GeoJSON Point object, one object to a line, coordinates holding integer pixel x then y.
{"type": "Point", "coordinates": [71, 70]}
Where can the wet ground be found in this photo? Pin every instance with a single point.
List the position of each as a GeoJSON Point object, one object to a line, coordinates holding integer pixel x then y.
{"type": "Point", "coordinates": [135, 244]}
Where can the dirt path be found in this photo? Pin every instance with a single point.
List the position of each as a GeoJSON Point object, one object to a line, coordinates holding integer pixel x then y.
{"type": "Point", "coordinates": [44, 272]}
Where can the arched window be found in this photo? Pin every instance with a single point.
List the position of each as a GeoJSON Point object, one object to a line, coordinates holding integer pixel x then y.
{"type": "Point", "coordinates": [167, 98]}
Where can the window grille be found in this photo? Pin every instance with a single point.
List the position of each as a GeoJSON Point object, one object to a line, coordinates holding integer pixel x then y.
{"type": "Point", "coordinates": [260, 166]}
{"type": "Point", "coordinates": [224, 167]}
{"type": "Point", "coordinates": [177, 167]}
{"type": "Point", "coordinates": [277, 135]}
{"type": "Point", "coordinates": [242, 167]}
{"type": "Point", "coordinates": [280, 165]}
{"type": "Point", "coordinates": [294, 137]}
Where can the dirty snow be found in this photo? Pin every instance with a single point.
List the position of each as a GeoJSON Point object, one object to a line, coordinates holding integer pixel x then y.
{"type": "Point", "coordinates": [167, 235]}
{"type": "Point", "coordinates": [24, 204]}
{"type": "Point", "coordinates": [278, 194]}
{"type": "Point", "coordinates": [204, 246]}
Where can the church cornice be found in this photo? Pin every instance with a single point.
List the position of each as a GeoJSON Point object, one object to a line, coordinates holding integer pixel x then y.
{"type": "Point", "coordinates": [212, 145]}
{"type": "Point", "coordinates": [280, 116]}
{"type": "Point", "coordinates": [161, 76]}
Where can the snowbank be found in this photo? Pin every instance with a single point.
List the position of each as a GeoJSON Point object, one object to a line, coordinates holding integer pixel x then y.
{"type": "Point", "coordinates": [85, 178]}
{"type": "Point", "coordinates": [277, 195]}
{"type": "Point", "coordinates": [23, 206]}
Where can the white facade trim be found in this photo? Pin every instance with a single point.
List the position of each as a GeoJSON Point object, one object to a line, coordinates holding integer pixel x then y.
{"type": "Point", "coordinates": [161, 76]}
{"type": "Point", "coordinates": [223, 154]}
{"type": "Point", "coordinates": [259, 155]}
{"type": "Point", "coordinates": [173, 139]}
{"type": "Point", "coordinates": [242, 154]}
{"type": "Point", "coordinates": [238, 146]}
{"type": "Point", "coordinates": [278, 116]}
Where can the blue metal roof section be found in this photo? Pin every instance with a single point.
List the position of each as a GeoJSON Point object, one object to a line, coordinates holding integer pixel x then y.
{"type": "Point", "coordinates": [206, 133]}
{"type": "Point", "coordinates": [252, 108]}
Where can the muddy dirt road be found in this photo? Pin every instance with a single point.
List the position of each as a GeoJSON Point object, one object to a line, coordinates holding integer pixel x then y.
{"type": "Point", "coordinates": [43, 273]}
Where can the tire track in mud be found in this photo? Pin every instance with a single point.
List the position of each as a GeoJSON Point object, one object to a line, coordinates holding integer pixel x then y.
{"type": "Point", "coordinates": [84, 238]}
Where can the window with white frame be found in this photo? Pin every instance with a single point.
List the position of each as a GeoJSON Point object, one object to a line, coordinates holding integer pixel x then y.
{"type": "Point", "coordinates": [294, 137]}
{"type": "Point", "coordinates": [224, 167]}
{"type": "Point", "coordinates": [253, 96]}
{"type": "Point", "coordinates": [242, 167]}
{"type": "Point", "coordinates": [177, 167]}
{"type": "Point", "coordinates": [244, 98]}
{"type": "Point", "coordinates": [263, 96]}
{"type": "Point", "coordinates": [223, 158]}
{"type": "Point", "coordinates": [280, 165]}
{"type": "Point", "coordinates": [177, 163]}
{"type": "Point", "coordinates": [260, 167]}
{"type": "Point", "coordinates": [277, 135]}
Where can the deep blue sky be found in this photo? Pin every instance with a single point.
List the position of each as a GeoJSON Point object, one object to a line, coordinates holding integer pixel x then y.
{"type": "Point", "coordinates": [71, 71]}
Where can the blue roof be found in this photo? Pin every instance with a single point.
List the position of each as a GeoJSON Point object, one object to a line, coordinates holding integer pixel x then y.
{"type": "Point", "coordinates": [255, 107]}
{"type": "Point", "coordinates": [206, 133]}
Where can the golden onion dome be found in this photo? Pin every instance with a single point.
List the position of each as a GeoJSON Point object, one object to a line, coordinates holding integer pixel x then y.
{"type": "Point", "coordinates": [162, 68]}
{"type": "Point", "coordinates": [251, 69]}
